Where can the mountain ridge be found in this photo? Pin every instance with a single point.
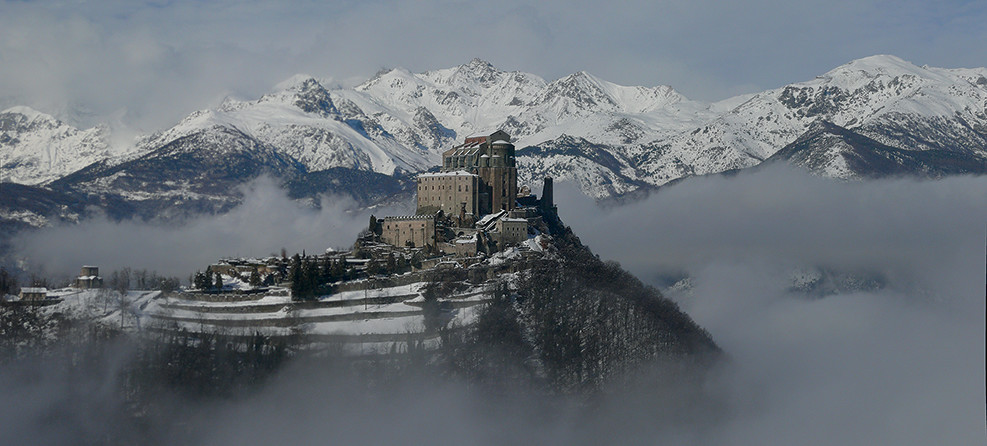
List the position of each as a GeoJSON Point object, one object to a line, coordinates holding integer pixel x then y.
{"type": "Point", "coordinates": [611, 140]}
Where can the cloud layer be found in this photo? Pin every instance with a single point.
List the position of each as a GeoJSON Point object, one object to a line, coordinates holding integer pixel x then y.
{"type": "Point", "coordinates": [902, 364]}
{"type": "Point", "coordinates": [264, 223]}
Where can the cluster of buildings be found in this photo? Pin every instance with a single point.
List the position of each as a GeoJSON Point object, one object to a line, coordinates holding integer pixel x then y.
{"type": "Point", "coordinates": [88, 278]}
{"type": "Point", "coordinates": [472, 204]}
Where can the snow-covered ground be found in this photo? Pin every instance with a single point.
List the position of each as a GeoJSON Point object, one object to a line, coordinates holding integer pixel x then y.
{"type": "Point", "coordinates": [348, 318]}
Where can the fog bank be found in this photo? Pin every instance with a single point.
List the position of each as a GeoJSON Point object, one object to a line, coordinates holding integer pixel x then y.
{"type": "Point", "coordinates": [265, 222]}
{"type": "Point", "coordinates": [900, 364]}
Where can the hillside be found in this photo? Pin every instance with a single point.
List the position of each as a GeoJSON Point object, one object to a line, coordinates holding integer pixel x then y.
{"type": "Point", "coordinates": [546, 311]}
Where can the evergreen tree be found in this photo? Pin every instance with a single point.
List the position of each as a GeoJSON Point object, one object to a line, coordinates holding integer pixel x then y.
{"type": "Point", "coordinates": [310, 278]}
{"type": "Point", "coordinates": [8, 283]}
{"type": "Point", "coordinates": [219, 282]}
{"type": "Point", "coordinates": [373, 267]}
{"type": "Point", "coordinates": [339, 269]}
{"type": "Point", "coordinates": [295, 276]}
{"type": "Point", "coordinates": [254, 278]}
{"type": "Point", "coordinates": [402, 264]}
{"type": "Point", "coordinates": [200, 281]}
{"type": "Point", "coordinates": [325, 271]}
{"type": "Point", "coordinates": [375, 226]}
{"type": "Point", "coordinates": [295, 269]}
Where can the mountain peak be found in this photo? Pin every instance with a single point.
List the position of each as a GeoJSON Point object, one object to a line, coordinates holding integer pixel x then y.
{"type": "Point", "coordinates": [29, 113]}
{"type": "Point", "coordinates": [478, 70]}
{"type": "Point", "coordinates": [295, 82]}
{"type": "Point", "coordinates": [308, 94]}
{"type": "Point", "coordinates": [879, 64]}
{"type": "Point", "coordinates": [478, 63]}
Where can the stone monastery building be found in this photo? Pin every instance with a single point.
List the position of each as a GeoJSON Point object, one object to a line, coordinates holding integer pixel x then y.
{"type": "Point", "coordinates": [471, 204]}
{"type": "Point", "coordinates": [478, 177]}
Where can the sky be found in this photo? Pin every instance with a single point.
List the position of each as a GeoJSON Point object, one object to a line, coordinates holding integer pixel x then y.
{"type": "Point", "coordinates": [145, 65]}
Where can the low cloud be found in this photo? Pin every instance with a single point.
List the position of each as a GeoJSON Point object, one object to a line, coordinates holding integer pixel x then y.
{"type": "Point", "coordinates": [264, 223]}
{"type": "Point", "coordinates": [902, 364]}
{"type": "Point", "coordinates": [784, 216]}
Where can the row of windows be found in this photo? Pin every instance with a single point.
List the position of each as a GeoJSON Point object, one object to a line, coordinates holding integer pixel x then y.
{"type": "Point", "coordinates": [396, 226]}
{"type": "Point", "coordinates": [460, 187]}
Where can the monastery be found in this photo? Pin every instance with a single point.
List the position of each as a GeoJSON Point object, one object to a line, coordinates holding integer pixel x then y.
{"type": "Point", "coordinates": [471, 205]}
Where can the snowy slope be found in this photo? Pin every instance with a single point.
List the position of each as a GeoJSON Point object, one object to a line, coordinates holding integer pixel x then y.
{"type": "Point", "coordinates": [883, 97]}
{"type": "Point", "coordinates": [608, 138]}
{"type": "Point", "coordinates": [37, 148]}
{"type": "Point", "coordinates": [837, 152]}
{"type": "Point", "coordinates": [302, 122]}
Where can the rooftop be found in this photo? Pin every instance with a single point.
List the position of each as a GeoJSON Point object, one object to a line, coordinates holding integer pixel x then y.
{"type": "Point", "coordinates": [410, 217]}
{"type": "Point", "coordinates": [447, 174]}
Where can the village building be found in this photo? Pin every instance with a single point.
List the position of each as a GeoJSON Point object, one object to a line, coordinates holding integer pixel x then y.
{"type": "Point", "coordinates": [88, 278]}
{"type": "Point", "coordinates": [34, 293]}
{"type": "Point", "coordinates": [409, 231]}
{"type": "Point", "coordinates": [511, 231]}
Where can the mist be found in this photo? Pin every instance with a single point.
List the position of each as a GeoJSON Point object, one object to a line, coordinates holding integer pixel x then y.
{"type": "Point", "coordinates": [266, 221]}
{"type": "Point", "coordinates": [902, 364]}
{"type": "Point", "coordinates": [899, 364]}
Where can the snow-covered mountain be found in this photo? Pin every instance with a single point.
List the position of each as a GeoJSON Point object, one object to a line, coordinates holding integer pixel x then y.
{"type": "Point", "coordinates": [875, 116]}
{"type": "Point", "coordinates": [303, 121]}
{"type": "Point", "coordinates": [37, 148]}
{"type": "Point", "coordinates": [883, 97]}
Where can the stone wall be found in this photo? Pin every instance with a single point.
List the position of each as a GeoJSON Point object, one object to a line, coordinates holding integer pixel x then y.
{"type": "Point", "coordinates": [448, 192]}
{"type": "Point", "coordinates": [399, 231]}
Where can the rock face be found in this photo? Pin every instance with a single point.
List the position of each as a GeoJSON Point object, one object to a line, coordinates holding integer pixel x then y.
{"type": "Point", "coordinates": [871, 117]}
{"type": "Point", "coordinates": [833, 151]}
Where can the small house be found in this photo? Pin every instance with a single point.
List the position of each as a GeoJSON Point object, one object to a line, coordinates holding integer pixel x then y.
{"type": "Point", "coordinates": [34, 293]}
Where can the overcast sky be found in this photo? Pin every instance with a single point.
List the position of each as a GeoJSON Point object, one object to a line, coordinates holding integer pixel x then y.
{"type": "Point", "coordinates": [149, 64]}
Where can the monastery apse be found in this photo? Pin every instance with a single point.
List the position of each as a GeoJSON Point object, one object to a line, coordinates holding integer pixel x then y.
{"type": "Point", "coordinates": [472, 204]}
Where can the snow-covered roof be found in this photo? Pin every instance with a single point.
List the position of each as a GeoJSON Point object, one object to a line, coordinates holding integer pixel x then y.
{"type": "Point", "coordinates": [466, 239]}
{"type": "Point", "coordinates": [489, 218]}
{"type": "Point", "coordinates": [500, 141]}
{"type": "Point", "coordinates": [34, 290]}
{"type": "Point", "coordinates": [457, 173]}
